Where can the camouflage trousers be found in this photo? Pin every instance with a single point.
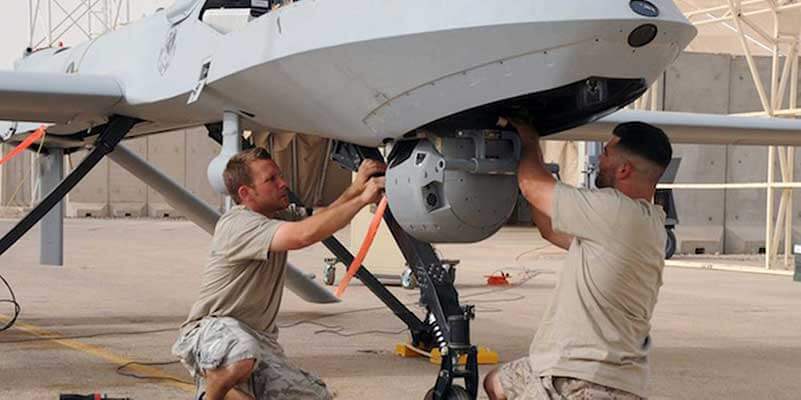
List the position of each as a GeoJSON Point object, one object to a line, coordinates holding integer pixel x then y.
{"type": "Point", "coordinates": [519, 383]}
{"type": "Point", "coordinates": [216, 342]}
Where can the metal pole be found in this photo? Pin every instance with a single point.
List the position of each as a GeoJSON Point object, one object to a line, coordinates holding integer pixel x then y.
{"type": "Point", "coordinates": [785, 7]}
{"type": "Point", "coordinates": [89, 14]}
{"type": "Point", "coordinates": [178, 197]}
{"type": "Point", "coordinates": [772, 238]}
{"type": "Point", "coordinates": [788, 219]}
{"type": "Point", "coordinates": [50, 22]}
{"type": "Point", "coordinates": [750, 59]}
{"type": "Point", "coordinates": [51, 171]}
{"type": "Point", "coordinates": [769, 210]}
{"type": "Point", "coordinates": [717, 8]}
{"type": "Point", "coordinates": [777, 229]}
{"type": "Point", "coordinates": [774, 67]}
{"type": "Point", "coordinates": [31, 22]}
{"type": "Point", "coordinates": [231, 145]}
{"type": "Point", "coordinates": [106, 16]}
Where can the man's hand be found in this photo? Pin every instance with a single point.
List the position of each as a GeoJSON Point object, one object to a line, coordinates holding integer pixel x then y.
{"type": "Point", "coordinates": [300, 234]}
{"type": "Point", "coordinates": [536, 182]}
{"type": "Point", "coordinates": [367, 170]}
{"type": "Point", "coordinates": [373, 190]}
{"type": "Point", "coordinates": [523, 126]}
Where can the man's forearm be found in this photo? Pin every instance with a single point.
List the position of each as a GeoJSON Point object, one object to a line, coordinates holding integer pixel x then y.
{"type": "Point", "coordinates": [351, 192]}
{"type": "Point", "coordinates": [326, 222]}
{"type": "Point", "coordinates": [535, 180]}
{"type": "Point", "coordinates": [532, 163]}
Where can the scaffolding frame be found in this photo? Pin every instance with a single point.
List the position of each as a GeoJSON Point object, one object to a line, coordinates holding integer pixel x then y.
{"type": "Point", "coordinates": [51, 20]}
{"type": "Point", "coordinates": [738, 16]}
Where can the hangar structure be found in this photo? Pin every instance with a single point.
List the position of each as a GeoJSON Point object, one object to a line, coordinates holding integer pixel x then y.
{"type": "Point", "coordinates": [744, 61]}
{"type": "Point", "coordinates": [771, 29]}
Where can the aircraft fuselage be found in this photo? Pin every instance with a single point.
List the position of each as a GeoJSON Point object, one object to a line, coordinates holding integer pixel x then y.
{"type": "Point", "coordinates": [362, 71]}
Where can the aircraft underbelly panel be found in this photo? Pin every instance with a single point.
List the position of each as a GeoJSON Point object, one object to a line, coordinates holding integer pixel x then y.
{"type": "Point", "coordinates": [364, 71]}
{"type": "Point", "coordinates": [369, 91]}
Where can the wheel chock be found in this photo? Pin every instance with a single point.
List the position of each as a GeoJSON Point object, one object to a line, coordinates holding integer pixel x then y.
{"type": "Point", "coordinates": [485, 357]}
{"type": "Point", "coordinates": [407, 351]}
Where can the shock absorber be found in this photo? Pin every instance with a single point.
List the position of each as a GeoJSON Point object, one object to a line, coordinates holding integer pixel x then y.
{"type": "Point", "coordinates": [442, 343]}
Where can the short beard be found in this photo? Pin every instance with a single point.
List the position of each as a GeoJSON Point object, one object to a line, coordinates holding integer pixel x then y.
{"type": "Point", "coordinates": [602, 181]}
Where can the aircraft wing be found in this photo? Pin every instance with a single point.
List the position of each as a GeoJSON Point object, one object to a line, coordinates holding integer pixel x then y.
{"type": "Point", "coordinates": [697, 128]}
{"type": "Point", "coordinates": [56, 98]}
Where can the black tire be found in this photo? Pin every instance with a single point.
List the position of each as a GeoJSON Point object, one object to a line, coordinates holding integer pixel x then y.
{"type": "Point", "coordinates": [670, 245]}
{"type": "Point", "coordinates": [456, 393]}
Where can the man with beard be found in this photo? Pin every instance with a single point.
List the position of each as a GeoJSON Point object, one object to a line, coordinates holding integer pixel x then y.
{"type": "Point", "coordinates": [593, 341]}
{"type": "Point", "coordinates": [229, 342]}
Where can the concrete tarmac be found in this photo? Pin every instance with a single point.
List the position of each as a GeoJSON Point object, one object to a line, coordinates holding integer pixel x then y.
{"type": "Point", "coordinates": [128, 284]}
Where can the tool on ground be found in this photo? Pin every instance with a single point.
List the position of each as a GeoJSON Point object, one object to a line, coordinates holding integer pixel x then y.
{"type": "Point", "coordinates": [93, 396]}
{"type": "Point", "coordinates": [500, 279]}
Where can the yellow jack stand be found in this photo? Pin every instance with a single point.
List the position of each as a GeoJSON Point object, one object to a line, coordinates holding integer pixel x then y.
{"type": "Point", "coordinates": [407, 351]}
{"type": "Point", "coordinates": [485, 355]}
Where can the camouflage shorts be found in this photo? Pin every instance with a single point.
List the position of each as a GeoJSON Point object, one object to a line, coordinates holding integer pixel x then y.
{"type": "Point", "coordinates": [519, 383]}
{"type": "Point", "coordinates": [217, 342]}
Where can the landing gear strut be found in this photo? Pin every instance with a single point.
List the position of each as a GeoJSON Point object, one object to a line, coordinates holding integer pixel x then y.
{"type": "Point", "coordinates": [111, 135]}
{"type": "Point", "coordinates": [447, 326]}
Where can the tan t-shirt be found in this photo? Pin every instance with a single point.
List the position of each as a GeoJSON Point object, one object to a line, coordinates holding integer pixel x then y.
{"type": "Point", "coordinates": [597, 325]}
{"type": "Point", "coordinates": [243, 279]}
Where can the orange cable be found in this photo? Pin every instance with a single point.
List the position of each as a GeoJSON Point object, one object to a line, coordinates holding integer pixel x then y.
{"type": "Point", "coordinates": [24, 145]}
{"type": "Point", "coordinates": [368, 241]}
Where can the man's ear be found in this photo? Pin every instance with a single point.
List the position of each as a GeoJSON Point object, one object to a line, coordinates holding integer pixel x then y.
{"type": "Point", "coordinates": [625, 170]}
{"type": "Point", "coordinates": [243, 193]}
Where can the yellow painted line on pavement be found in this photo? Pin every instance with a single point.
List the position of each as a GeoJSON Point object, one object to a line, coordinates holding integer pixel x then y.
{"type": "Point", "coordinates": [103, 354]}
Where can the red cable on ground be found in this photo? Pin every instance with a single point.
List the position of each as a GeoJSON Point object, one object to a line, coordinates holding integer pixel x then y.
{"type": "Point", "coordinates": [24, 145]}
{"type": "Point", "coordinates": [368, 241]}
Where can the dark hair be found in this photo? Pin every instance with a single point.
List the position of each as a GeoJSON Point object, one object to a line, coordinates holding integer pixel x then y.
{"type": "Point", "coordinates": [237, 171]}
{"type": "Point", "coordinates": [646, 141]}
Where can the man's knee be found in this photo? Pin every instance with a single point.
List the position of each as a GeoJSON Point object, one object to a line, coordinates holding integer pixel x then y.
{"type": "Point", "coordinates": [232, 374]}
{"type": "Point", "coordinates": [492, 385]}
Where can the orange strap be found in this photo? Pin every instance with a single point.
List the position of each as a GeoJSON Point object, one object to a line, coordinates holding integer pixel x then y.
{"type": "Point", "coordinates": [24, 145]}
{"type": "Point", "coordinates": [368, 241]}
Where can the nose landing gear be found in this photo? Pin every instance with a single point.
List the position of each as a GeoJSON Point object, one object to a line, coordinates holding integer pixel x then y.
{"type": "Point", "coordinates": [455, 393]}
